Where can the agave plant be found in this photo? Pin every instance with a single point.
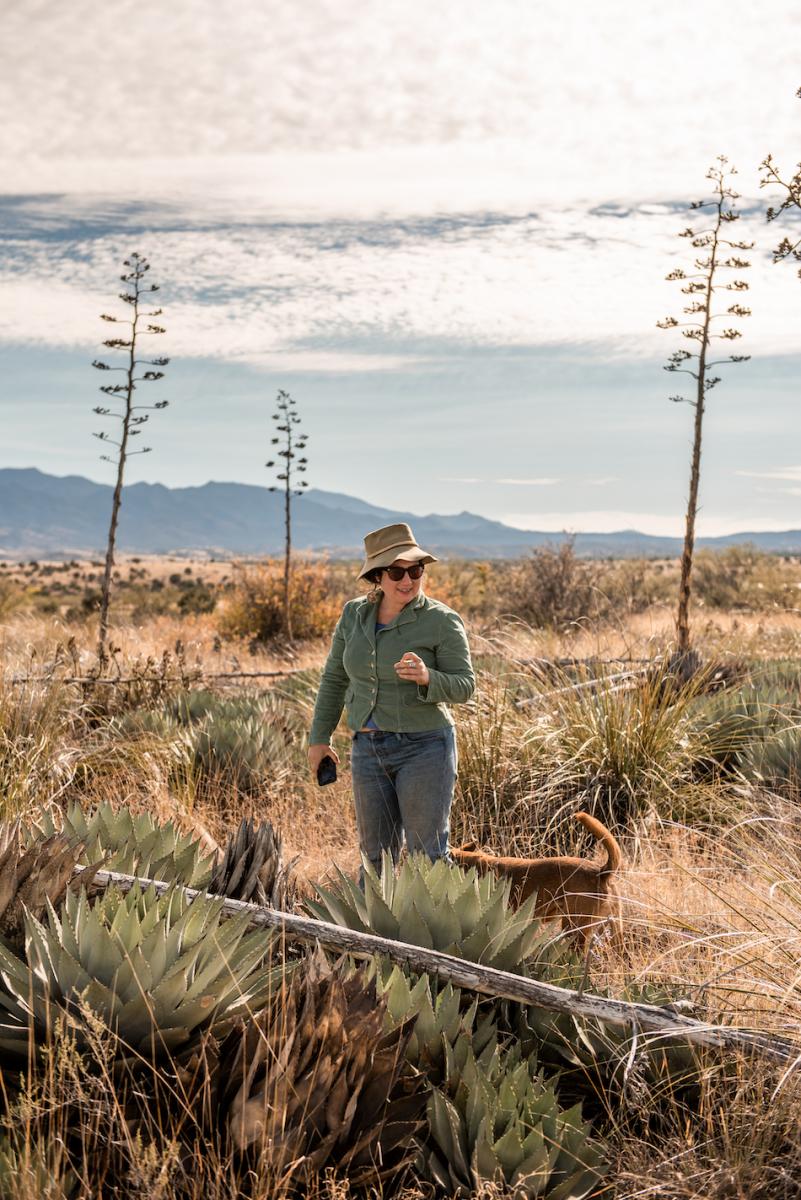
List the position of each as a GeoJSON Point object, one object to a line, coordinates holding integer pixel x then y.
{"type": "Point", "coordinates": [244, 751]}
{"type": "Point", "coordinates": [434, 1014]}
{"type": "Point", "coordinates": [317, 1082]}
{"type": "Point", "coordinates": [134, 845]}
{"type": "Point", "coordinates": [776, 762]}
{"type": "Point", "coordinates": [724, 725]}
{"type": "Point", "coordinates": [250, 867]}
{"type": "Point", "coordinates": [34, 1169]}
{"type": "Point", "coordinates": [155, 969]}
{"type": "Point", "coordinates": [244, 739]}
{"type": "Point", "coordinates": [600, 1061]}
{"type": "Point", "coordinates": [497, 1121]}
{"type": "Point", "coordinates": [439, 906]}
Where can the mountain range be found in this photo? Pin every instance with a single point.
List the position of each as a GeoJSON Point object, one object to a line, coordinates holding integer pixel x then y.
{"type": "Point", "coordinates": [49, 516]}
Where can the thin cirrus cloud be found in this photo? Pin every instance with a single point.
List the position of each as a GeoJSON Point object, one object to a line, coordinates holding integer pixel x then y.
{"type": "Point", "coordinates": [657, 524]}
{"type": "Point", "coordinates": [791, 474]}
{"type": "Point", "coordinates": [544, 481]}
{"type": "Point", "coordinates": [282, 209]}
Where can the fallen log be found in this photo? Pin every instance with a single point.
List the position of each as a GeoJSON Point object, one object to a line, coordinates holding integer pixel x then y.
{"type": "Point", "coordinates": [662, 1022]}
{"type": "Point", "coordinates": [618, 678]}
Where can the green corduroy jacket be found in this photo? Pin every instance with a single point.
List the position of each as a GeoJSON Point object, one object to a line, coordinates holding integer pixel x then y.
{"type": "Point", "coordinates": [360, 675]}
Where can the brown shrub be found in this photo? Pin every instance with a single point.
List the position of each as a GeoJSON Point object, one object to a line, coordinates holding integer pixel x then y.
{"type": "Point", "coordinates": [553, 588]}
{"type": "Point", "coordinates": [254, 607]}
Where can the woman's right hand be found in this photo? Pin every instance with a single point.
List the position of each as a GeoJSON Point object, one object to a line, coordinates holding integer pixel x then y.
{"type": "Point", "coordinates": [317, 753]}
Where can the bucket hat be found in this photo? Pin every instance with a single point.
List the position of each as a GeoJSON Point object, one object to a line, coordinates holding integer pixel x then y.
{"type": "Point", "coordinates": [383, 546]}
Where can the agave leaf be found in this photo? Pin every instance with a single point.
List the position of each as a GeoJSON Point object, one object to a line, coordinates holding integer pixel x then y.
{"type": "Point", "coordinates": [167, 995]}
{"type": "Point", "coordinates": [508, 1149]}
{"type": "Point", "coordinates": [446, 928]}
{"type": "Point", "coordinates": [484, 1161]}
{"type": "Point", "coordinates": [134, 976]}
{"type": "Point", "coordinates": [579, 1185]}
{"type": "Point", "coordinates": [398, 994]}
{"type": "Point", "coordinates": [413, 929]}
{"type": "Point", "coordinates": [329, 907]}
{"type": "Point", "coordinates": [154, 952]}
{"type": "Point", "coordinates": [448, 1001]}
{"type": "Point", "coordinates": [102, 1000]}
{"type": "Point", "coordinates": [447, 1130]}
{"type": "Point", "coordinates": [379, 916]}
{"type": "Point", "coordinates": [538, 1160]}
{"type": "Point", "coordinates": [467, 904]}
{"type": "Point", "coordinates": [101, 958]}
{"type": "Point", "coordinates": [508, 1101]}
{"type": "Point", "coordinates": [68, 979]}
{"type": "Point", "coordinates": [475, 1114]}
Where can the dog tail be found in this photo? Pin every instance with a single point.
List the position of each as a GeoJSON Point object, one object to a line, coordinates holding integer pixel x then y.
{"type": "Point", "coordinates": [614, 854]}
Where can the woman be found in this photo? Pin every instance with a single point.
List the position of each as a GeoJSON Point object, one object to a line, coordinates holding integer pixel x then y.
{"type": "Point", "coordinates": [397, 659]}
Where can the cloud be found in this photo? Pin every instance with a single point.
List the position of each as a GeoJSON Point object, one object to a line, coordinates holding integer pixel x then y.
{"type": "Point", "coordinates": [135, 78]}
{"type": "Point", "coordinates": [545, 481]}
{"type": "Point", "coordinates": [790, 473]}
{"type": "Point", "coordinates": [402, 288]}
{"type": "Point", "coordinates": [657, 524]}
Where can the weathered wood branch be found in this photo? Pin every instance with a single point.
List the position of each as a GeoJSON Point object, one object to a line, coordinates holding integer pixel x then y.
{"type": "Point", "coordinates": [662, 1022]}
{"type": "Point", "coordinates": [586, 685]}
{"type": "Point", "coordinates": [190, 677]}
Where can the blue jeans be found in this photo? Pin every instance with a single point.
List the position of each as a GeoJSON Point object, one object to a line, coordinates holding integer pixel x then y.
{"type": "Point", "coordinates": [403, 784]}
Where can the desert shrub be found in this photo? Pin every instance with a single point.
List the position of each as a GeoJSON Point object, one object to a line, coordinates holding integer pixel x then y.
{"type": "Point", "coordinates": [744, 577]}
{"type": "Point", "coordinates": [553, 588]}
{"type": "Point", "coordinates": [197, 598]}
{"type": "Point", "coordinates": [634, 585]}
{"type": "Point", "coordinates": [12, 598]}
{"type": "Point", "coordinates": [254, 606]}
{"type": "Point", "coordinates": [727, 723]}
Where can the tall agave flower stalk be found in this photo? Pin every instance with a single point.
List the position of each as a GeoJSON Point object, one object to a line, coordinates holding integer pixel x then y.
{"type": "Point", "coordinates": [131, 416]}
{"type": "Point", "coordinates": [718, 253]}
{"type": "Point", "coordinates": [293, 443]}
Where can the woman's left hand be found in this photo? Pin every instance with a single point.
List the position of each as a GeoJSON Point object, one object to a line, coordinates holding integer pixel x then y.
{"type": "Point", "coordinates": [412, 667]}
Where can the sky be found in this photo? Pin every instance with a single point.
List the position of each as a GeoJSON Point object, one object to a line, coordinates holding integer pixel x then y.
{"type": "Point", "coordinates": [443, 226]}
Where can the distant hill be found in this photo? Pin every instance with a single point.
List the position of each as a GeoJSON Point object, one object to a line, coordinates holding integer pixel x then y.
{"type": "Point", "coordinates": [49, 516]}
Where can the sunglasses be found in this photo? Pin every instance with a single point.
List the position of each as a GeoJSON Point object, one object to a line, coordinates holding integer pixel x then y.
{"type": "Point", "coordinates": [397, 573]}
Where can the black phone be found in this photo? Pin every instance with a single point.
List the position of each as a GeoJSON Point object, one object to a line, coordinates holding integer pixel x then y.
{"type": "Point", "coordinates": [327, 771]}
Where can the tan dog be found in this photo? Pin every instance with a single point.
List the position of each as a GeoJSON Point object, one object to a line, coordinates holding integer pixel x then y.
{"type": "Point", "coordinates": [574, 889]}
